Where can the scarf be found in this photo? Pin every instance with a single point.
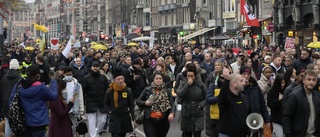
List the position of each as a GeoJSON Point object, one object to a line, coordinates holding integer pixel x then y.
{"type": "Point", "coordinates": [116, 88]}
{"type": "Point", "coordinates": [160, 98]}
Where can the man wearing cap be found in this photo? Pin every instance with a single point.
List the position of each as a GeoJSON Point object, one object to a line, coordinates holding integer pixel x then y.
{"type": "Point", "coordinates": [7, 83]}
{"type": "Point", "coordinates": [94, 86]}
{"type": "Point", "coordinates": [24, 65]}
{"type": "Point", "coordinates": [96, 56]}
{"type": "Point", "coordinates": [44, 69]}
{"type": "Point", "coordinates": [254, 95]}
{"type": "Point", "coordinates": [196, 54]}
{"type": "Point", "coordinates": [236, 65]}
{"type": "Point", "coordinates": [34, 96]}
{"type": "Point", "coordinates": [135, 77]}
{"type": "Point", "coordinates": [230, 58]}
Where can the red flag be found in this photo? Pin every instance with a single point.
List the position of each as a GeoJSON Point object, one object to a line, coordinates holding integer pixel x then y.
{"type": "Point", "coordinates": [249, 15]}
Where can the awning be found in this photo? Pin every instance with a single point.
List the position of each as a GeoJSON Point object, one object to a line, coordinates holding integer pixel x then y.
{"type": "Point", "coordinates": [219, 38]}
{"type": "Point", "coordinates": [263, 19]}
{"type": "Point", "coordinates": [132, 36]}
{"type": "Point", "coordinates": [137, 30]}
{"type": "Point", "coordinates": [197, 33]}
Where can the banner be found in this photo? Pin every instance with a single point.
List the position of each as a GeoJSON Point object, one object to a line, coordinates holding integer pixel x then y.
{"type": "Point", "coordinates": [249, 15]}
{"type": "Point", "coordinates": [54, 43]}
{"type": "Point", "coordinates": [42, 43]}
{"type": "Point", "coordinates": [289, 42]}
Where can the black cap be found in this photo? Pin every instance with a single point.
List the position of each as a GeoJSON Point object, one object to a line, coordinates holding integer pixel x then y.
{"type": "Point", "coordinates": [95, 63]}
{"type": "Point", "coordinates": [116, 74]}
{"type": "Point", "coordinates": [33, 70]}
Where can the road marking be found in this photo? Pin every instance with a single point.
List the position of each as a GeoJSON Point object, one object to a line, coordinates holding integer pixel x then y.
{"type": "Point", "coordinates": [140, 132]}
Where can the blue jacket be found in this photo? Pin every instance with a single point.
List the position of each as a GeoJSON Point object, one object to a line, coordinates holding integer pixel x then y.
{"type": "Point", "coordinates": [34, 97]}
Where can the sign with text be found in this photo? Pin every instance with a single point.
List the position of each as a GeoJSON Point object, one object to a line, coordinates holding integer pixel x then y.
{"type": "Point", "coordinates": [289, 42]}
{"type": "Point", "coordinates": [54, 43]}
{"type": "Point", "coordinates": [77, 45]}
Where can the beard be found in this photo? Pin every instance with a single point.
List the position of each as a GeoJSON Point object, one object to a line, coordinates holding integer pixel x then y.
{"type": "Point", "coordinates": [95, 73]}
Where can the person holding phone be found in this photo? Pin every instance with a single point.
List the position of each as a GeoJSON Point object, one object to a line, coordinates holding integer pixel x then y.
{"type": "Point", "coordinates": [74, 88]}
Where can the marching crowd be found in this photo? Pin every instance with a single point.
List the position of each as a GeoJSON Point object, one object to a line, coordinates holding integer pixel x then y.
{"type": "Point", "coordinates": [214, 88]}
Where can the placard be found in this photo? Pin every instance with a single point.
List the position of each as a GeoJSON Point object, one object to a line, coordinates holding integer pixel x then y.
{"type": "Point", "coordinates": [289, 42]}
{"type": "Point", "coordinates": [54, 43]}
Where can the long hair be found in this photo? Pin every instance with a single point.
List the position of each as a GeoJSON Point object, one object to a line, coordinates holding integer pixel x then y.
{"type": "Point", "coordinates": [277, 82]}
{"type": "Point", "coordinates": [61, 86]}
{"type": "Point", "coordinates": [287, 76]}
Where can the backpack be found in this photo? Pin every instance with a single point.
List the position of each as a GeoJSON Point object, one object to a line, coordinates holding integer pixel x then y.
{"type": "Point", "coordinates": [16, 114]}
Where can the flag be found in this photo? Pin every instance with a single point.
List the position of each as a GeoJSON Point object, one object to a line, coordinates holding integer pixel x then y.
{"type": "Point", "coordinates": [249, 15]}
{"type": "Point", "coordinates": [42, 43]}
{"type": "Point", "coordinates": [66, 50]}
{"type": "Point", "coordinates": [112, 45]}
{"type": "Point", "coordinates": [25, 37]}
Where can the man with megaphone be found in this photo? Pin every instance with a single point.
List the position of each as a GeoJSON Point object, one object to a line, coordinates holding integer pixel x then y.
{"type": "Point", "coordinates": [233, 106]}
{"type": "Point", "coordinates": [256, 99]}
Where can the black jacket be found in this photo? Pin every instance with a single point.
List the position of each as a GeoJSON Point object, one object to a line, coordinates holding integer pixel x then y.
{"type": "Point", "coordinates": [94, 90]}
{"type": "Point", "coordinates": [7, 83]}
{"type": "Point", "coordinates": [256, 100]}
{"type": "Point", "coordinates": [44, 73]}
{"type": "Point", "coordinates": [288, 91]}
{"type": "Point", "coordinates": [79, 73]}
{"type": "Point", "coordinates": [138, 85]}
{"type": "Point", "coordinates": [120, 118]}
{"type": "Point", "coordinates": [296, 113]}
{"type": "Point", "coordinates": [234, 110]}
{"type": "Point", "coordinates": [275, 104]}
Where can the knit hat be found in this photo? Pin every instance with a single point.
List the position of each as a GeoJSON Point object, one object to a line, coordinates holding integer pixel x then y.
{"type": "Point", "coordinates": [116, 74]}
{"type": "Point", "coordinates": [137, 61]}
{"type": "Point", "coordinates": [95, 63]}
{"type": "Point", "coordinates": [245, 69]}
{"type": "Point", "coordinates": [14, 64]}
{"type": "Point", "coordinates": [253, 54]}
{"type": "Point", "coordinates": [33, 70]}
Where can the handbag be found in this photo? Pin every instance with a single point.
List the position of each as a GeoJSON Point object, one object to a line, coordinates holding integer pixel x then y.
{"type": "Point", "coordinates": [16, 114]}
{"type": "Point", "coordinates": [81, 127]}
{"type": "Point", "coordinates": [138, 114]}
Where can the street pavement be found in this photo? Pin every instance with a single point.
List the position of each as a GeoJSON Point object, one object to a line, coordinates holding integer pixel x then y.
{"type": "Point", "coordinates": [174, 130]}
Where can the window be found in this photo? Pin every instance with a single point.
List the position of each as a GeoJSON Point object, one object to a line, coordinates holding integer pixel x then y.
{"type": "Point", "coordinates": [229, 6]}
{"type": "Point", "coordinates": [204, 1]}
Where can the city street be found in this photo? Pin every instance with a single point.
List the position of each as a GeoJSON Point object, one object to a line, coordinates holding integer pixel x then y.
{"type": "Point", "coordinates": [173, 132]}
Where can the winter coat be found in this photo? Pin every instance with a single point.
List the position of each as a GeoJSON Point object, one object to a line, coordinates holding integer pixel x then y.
{"type": "Point", "coordinates": [120, 118]}
{"type": "Point", "coordinates": [193, 101]}
{"type": "Point", "coordinates": [256, 100]}
{"type": "Point", "coordinates": [60, 122]}
{"type": "Point", "coordinates": [263, 84]}
{"type": "Point", "coordinates": [146, 93]}
{"type": "Point", "coordinates": [34, 97]}
{"type": "Point", "coordinates": [296, 113]}
{"type": "Point", "coordinates": [54, 60]}
{"type": "Point", "coordinates": [78, 106]}
{"type": "Point", "coordinates": [138, 85]}
{"type": "Point", "coordinates": [80, 72]}
{"type": "Point", "coordinates": [275, 105]}
{"type": "Point", "coordinates": [288, 91]}
{"type": "Point", "coordinates": [301, 63]}
{"type": "Point", "coordinates": [6, 85]}
{"type": "Point", "coordinates": [212, 112]}
{"type": "Point", "coordinates": [94, 90]}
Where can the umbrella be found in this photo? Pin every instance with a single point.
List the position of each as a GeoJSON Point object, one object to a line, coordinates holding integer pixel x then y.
{"type": "Point", "coordinates": [314, 45]}
{"type": "Point", "coordinates": [99, 47]}
{"type": "Point", "coordinates": [144, 38]}
{"type": "Point", "coordinates": [237, 50]}
{"type": "Point", "coordinates": [132, 44]}
{"type": "Point", "coordinates": [132, 36]}
{"type": "Point", "coordinates": [29, 48]}
{"type": "Point", "coordinates": [93, 43]}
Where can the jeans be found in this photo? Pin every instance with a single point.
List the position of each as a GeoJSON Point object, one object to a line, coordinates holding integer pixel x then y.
{"type": "Point", "coordinates": [156, 128]}
{"type": "Point", "coordinates": [73, 119]}
{"type": "Point", "coordinates": [8, 131]}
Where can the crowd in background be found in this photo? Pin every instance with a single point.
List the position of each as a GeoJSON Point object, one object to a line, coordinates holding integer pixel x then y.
{"type": "Point", "coordinates": [214, 88]}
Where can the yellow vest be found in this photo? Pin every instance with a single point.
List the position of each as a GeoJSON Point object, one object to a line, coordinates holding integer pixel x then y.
{"type": "Point", "coordinates": [214, 108]}
{"type": "Point", "coordinates": [23, 68]}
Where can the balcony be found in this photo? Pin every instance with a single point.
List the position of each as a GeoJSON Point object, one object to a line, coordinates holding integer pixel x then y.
{"type": "Point", "coordinates": [167, 8]}
{"type": "Point", "coordinates": [160, 8]}
{"type": "Point", "coordinates": [172, 6]}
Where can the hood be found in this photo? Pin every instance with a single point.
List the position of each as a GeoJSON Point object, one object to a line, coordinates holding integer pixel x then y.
{"type": "Point", "coordinates": [252, 82]}
{"type": "Point", "coordinates": [26, 83]}
{"type": "Point", "coordinates": [12, 74]}
{"type": "Point", "coordinates": [263, 78]}
{"type": "Point", "coordinates": [81, 65]}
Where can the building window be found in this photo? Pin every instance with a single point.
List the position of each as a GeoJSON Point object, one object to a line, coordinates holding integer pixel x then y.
{"type": "Point", "coordinates": [229, 6]}
{"type": "Point", "coordinates": [230, 25]}
{"type": "Point", "coordinates": [204, 1]}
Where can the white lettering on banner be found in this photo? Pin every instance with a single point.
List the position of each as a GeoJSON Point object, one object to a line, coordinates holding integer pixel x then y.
{"type": "Point", "coordinates": [289, 42]}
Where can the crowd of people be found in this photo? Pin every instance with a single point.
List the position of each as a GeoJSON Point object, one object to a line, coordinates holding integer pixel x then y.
{"type": "Point", "coordinates": [214, 88]}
